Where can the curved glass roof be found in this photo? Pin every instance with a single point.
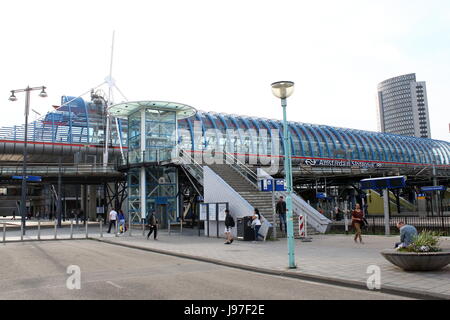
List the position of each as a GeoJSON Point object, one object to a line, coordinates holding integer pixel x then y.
{"type": "Point", "coordinates": [81, 122]}
{"type": "Point", "coordinates": [327, 142]}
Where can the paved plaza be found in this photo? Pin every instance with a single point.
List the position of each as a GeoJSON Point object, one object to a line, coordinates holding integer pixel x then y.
{"type": "Point", "coordinates": [328, 258]}
{"type": "Point", "coordinates": [38, 270]}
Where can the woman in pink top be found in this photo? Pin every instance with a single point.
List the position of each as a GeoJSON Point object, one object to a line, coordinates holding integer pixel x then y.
{"type": "Point", "coordinates": [357, 220]}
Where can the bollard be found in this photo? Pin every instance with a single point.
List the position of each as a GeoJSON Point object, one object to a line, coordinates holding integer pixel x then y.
{"type": "Point", "coordinates": [71, 229]}
{"type": "Point", "coordinates": [116, 225]}
{"type": "Point", "coordinates": [4, 233]}
{"type": "Point", "coordinates": [101, 228]}
{"type": "Point", "coordinates": [302, 226]}
{"type": "Point", "coordinates": [39, 230]}
{"type": "Point", "coordinates": [21, 232]}
{"type": "Point", "coordinates": [56, 231]}
{"type": "Point", "coordinates": [87, 224]}
{"type": "Point", "coordinates": [143, 228]}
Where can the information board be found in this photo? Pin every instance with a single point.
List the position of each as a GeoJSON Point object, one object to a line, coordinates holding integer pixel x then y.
{"type": "Point", "coordinates": [203, 211]}
{"type": "Point", "coordinates": [212, 211]}
{"type": "Point", "coordinates": [222, 208]}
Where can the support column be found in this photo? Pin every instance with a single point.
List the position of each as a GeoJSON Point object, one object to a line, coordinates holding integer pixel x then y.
{"type": "Point", "coordinates": [142, 193]}
{"type": "Point", "coordinates": [84, 202]}
{"type": "Point", "coordinates": [142, 188]}
{"type": "Point", "coordinates": [105, 201]}
{"type": "Point", "coordinates": [386, 211]}
{"type": "Point", "coordinates": [92, 203]}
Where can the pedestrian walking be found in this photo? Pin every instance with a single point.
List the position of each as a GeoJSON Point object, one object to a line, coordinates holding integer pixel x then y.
{"type": "Point", "coordinates": [357, 222]}
{"type": "Point", "coordinates": [14, 214]}
{"type": "Point", "coordinates": [407, 234]}
{"type": "Point", "coordinates": [256, 223]}
{"type": "Point", "coordinates": [229, 225]}
{"type": "Point", "coordinates": [153, 225]}
{"type": "Point", "coordinates": [121, 218]}
{"type": "Point", "coordinates": [281, 210]}
{"type": "Point", "coordinates": [112, 219]}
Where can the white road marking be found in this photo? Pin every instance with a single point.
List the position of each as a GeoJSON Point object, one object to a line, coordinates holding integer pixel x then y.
{"type": "Point", "coordinates": [114, 285]}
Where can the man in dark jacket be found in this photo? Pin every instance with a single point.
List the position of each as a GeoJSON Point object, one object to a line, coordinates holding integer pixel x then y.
{"type": "Point", "coordinates": [153, 225]}
{"type": "Point", "coordinates": [281, 210]}
{"type": "Point", "coordinates": [229, 224]}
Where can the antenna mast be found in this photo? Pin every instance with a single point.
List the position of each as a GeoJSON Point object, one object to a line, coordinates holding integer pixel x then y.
{"type": "Point", "coordinates": [110, 81]}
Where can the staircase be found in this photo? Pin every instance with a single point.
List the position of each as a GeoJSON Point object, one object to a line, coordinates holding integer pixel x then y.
{"type": "Point", "coordinates": [256, 198]}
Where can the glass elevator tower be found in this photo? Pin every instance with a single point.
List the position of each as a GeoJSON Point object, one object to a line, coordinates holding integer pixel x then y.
{"type": "Point", "coordinates": [152, 147]}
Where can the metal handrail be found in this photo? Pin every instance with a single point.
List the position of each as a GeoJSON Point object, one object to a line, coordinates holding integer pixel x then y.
{"type": "Point", "coordinates": [81, 168]}
{"type": "Point", "coordinates": [243, 170]}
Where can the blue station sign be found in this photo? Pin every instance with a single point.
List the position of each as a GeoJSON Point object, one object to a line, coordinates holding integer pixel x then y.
{"type": "Point", "coordinates": [321, 195]}
{"type": "Point", "coordinates": [434, 188]}
{"type": "Point", "coordinates": [267, 185]}
{"type": "Point", "coordinates": [280, 185]}
{"type": "Point", "coordinates": [29, 178]}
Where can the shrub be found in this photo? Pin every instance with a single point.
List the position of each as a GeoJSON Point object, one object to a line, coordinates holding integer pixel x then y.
{"type": "Point", "coordinates": [426, 241]}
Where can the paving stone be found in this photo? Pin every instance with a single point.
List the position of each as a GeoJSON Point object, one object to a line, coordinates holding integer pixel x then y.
{"type": "Point", "coordinates": [334, 256]}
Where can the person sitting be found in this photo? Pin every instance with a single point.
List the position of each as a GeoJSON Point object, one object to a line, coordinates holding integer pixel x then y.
{"type": "Point", "coordinates": [407, 234]}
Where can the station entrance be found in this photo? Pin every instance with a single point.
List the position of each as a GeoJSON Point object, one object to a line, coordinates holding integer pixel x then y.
{"type": "Point", "coordinates": [152, 146]}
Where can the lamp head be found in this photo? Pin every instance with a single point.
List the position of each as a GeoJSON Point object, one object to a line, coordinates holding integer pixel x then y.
{"type": "Point", "coordinates": [283, 89]}
{"type": "Point", "coordinates": [43, 94]}
{"type": "Point", "coordinates": [12, 97]}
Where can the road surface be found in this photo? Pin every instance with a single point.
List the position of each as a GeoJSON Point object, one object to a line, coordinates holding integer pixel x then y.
{"type": "Point", "coordinates": [38, 270]}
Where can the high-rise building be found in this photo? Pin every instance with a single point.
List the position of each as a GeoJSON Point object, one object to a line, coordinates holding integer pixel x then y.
{"type": "Point", "coordinates": [403, 107]}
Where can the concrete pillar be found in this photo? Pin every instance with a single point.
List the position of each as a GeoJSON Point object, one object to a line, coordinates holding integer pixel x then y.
{"type": "Point", "coordinates": [92, 203]}
{"type": "Point", "coordinates": [84, 201]}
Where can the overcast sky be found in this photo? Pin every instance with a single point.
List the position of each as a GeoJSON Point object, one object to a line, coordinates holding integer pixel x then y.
{"type": "Point", "coordinates": [223, 55]}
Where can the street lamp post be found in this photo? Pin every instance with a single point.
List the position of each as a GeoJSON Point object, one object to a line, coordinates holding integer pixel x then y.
{"type": "Point", "coordinates": [283, 90]}
{"type": "Point", "coordinates": [42, 94]}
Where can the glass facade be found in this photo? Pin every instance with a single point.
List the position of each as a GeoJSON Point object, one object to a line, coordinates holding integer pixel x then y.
{"type": "Point", "coordinates": [83, 123]}
{"type": "Point", "coordinates": [310, 141]}
{"type": "Point", "coordinates": [161, 185]}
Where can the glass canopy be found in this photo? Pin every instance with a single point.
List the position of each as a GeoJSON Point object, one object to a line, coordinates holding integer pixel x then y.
{"type": "Point", "coordinates": [124, 109]}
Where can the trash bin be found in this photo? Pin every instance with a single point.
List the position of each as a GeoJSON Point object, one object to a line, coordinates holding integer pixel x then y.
{"type": "Point", "coordinates": [244, 229]}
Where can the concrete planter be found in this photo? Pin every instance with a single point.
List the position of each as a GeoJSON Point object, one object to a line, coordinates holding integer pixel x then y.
{"type": "Point", "coordinates": [411, 261]}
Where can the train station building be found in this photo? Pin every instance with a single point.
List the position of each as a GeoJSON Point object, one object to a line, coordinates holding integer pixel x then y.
{"type": "Point", "coordinates": [168, 158]}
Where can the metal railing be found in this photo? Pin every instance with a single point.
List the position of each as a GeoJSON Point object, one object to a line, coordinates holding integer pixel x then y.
{"type": "Point", "coordinates": [242, 169]}
{"type": "Point", "coordinates": [53, 231]}
{"type": "Point", "coordinates": [438, 224]}
{"type": "Point", "coordinates": [55, 170]}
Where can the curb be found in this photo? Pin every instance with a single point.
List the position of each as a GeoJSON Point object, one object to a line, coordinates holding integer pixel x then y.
{"type": "Point", "coordinates": [42, 240]}
{"type": "Point", "coordinates": [415, 294]}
